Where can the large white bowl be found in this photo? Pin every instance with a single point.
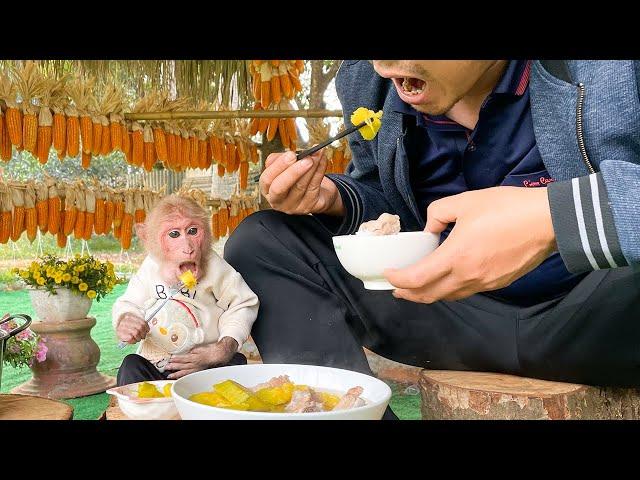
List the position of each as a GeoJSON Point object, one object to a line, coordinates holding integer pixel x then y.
{"type": "Point", "coordinates": [367, 256]}
{"type": "Point", "coordinates": [145, 408]}
{"type": "Point", "coordinates": [375, 392]}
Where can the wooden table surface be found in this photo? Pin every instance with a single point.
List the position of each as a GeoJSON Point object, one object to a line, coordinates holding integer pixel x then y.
{"type": "Point", "coordinates": [28, 407]}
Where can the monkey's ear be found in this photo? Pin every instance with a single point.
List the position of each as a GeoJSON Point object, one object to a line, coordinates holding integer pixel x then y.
{"type": "Point", "coordinates": [141, 231]}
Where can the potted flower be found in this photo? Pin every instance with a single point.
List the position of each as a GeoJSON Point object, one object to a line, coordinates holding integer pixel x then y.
{"type": "Point", "coordinates": [20, 349]}
{"type": "Point", "coordinates": [64, 289]}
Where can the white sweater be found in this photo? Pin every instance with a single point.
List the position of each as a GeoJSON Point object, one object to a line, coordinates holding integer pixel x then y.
{"type": "Point", "coordinates": [225, 305]}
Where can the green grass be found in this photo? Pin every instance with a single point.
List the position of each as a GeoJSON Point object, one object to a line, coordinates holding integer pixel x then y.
{"type": "Point", "coordinates": [405, 402]}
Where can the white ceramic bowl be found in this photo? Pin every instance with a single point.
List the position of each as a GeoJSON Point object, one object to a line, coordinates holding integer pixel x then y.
{"type": "Point", "coordinates": [367, 256]}
{"type": "Point", "coordinates": [145, 408]}
{"type": "Point", "coordinates": [375, 392]}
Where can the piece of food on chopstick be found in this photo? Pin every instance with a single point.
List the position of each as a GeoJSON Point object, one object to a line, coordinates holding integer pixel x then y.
{"type": "Point", "coordinates": [373, 120]}
{"type": "Point", "coordinates": [188, 279]}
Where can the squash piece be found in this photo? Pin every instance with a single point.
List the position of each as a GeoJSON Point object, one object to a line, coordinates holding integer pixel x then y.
{"type": "Point", "coordinates": [212, 399]}
{"type": "Point", "coordinates": [148, 390]}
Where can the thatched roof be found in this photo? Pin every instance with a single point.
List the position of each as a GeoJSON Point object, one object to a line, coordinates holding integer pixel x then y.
{"type": "Point", "coordinates": [222, 82]}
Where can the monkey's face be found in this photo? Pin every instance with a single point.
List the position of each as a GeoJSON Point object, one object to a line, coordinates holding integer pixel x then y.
{"type": "Point", "coordinates": [181, 241]}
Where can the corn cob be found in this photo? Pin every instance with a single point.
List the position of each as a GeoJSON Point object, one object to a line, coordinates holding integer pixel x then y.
{"type": "Point", "coordinates": [59, 133]}
{"type": "Point", "coordinates": [86, 160]}
{"type": "Point", "coordinates": [214, 224]}
{"type": "Point", "coordinates": [254, 153]}
{"type": "Point", "coordinates": [139, 214]}
{"type": "Point", "coordinates": [284, 138]}
{"type": "Point", "coordinates": [17, 197]}
{"type": "Point", "coordinates": [14, 125]}
{"type": "Point", "coordinates": [86, 133]}
{"type": "Point", "coordinates": [127, 221]}
{"type": "Point", "coordinates": [272, 128]}
{"type": "Point", "coordinates": [100, 218]}
{"type": "Point", "coordinates": [115, 126]}
{"type": "Point", "coordinates": [171, 148]}
{"type": "Point", "coordinates": [118, 211]}
{"type": "Point", "coordinates": [285, 83]}
{"type": "Point", "coordinates": [193, 151]}
{"type": "Point", "coordinates": [160, 141]}
{"type": "Point", "coordinates": [149, 158]}
{"type": "Point", "coordinates": [223, 219]}
{"type": "Point", "coordinates": [30, 132]}
{"type": "Point", "coordinates": [5, 141]}
{"type": "Point", "coordinates": [105, 148]}
{"type": "Point", "coordinates": [53, 223]}
{"type": "Point", "coordinates": [45, 122]}
{"type": "Point", "coordinates": [185, 150]}
{"type": "Point", "coordinates": [137, 145]}
{"type": "Point", "coordinates": [42, 206]}
{"type": "Point", "coordinates": [96, 135]}
{"type": "Point", "coordinates": [90, 212]}
{"type": "Point", "coordinates": [265, 85]}
{"type": "Point", "coordinates": [244, 174]}
{"type": "Point", "coordinates": [70, 210]}
{"type": "Point", "coordinates": [61, 238]}
{"type": "Point", "coordinates": [126, 142]}
{"type": "Point", "coordinates": [109, 211]}
{"type": "Point", "coordinates": [5, 214]}
{"type": "Point", "coordinates": [204, 153]}
{"type": "Point", "coordinates": [78, 228]}
{"type": "Point", "coordinates": [30, 214]}
{"type": "Point", "coordinates": [221, 170]}
{"type": "Point", "coordinates": [73, 132]}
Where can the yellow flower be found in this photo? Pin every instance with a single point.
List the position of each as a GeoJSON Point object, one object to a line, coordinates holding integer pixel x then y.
{"type": "Point", "coordinates": [66, 277]}
{"type": "Point", "coordinates": [24, 274]}
{"type": "Point", "coordinates": [83, 287]}
{"type": "Point", "coordinates": [75, 280]}
{"type": "Point", "coordinates": [91, 294]}
{"type": "Point", "coordinates": [80, 268]}
{"type": "Point", "coordinates": [36, 275]}
{"type": "Point", "coordinates": [63, 267]}
{"type": "Point", "coordinates": [40, 281]}
{"type": "Point", "coordinates": [57, 278]}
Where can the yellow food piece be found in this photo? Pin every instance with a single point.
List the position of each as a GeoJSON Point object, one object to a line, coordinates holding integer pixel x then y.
{"type": "Point", "coordinates": [149, 390]}
{"type": "Point", "coordinates": [276, 395]}
{"type": "Point", "coordinates": [188, 279]}
{"type": "Point", "coordinates": [301, 387]}
{"type": "Point", "coordinates": [212, 399]}
{"type": "Point", "coordinates": [329, 400]}
{"type": "Point", "coordinates": [167, 390]}
{"type": "Point", "coordinates": [370, 130]}
{"type": "Point", "coordinates": [232, 391]}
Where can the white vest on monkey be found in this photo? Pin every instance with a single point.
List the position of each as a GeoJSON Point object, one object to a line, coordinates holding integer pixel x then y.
{"type": "Point", "coordinates": [220, 305]}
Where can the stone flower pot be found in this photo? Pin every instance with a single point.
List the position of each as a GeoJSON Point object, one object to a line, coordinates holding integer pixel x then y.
{"type": "Point", "coordinates": [65, 305]}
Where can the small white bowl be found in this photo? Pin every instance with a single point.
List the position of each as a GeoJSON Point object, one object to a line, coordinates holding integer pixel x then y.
{"type": "Point", "coordinates": [375, 392]}
{"type": "Point", "coordinates": [367, 256]}
{"type": "Point", "coordinates": [145, 408]}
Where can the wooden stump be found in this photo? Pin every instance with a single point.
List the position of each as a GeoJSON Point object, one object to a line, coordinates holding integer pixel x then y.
{"type": "Point", "coordinates": [27, 407]}
{"type": "Point", "coordinates": [451, 395]}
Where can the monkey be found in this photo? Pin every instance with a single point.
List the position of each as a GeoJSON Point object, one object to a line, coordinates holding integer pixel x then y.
{"type": "Point", "coordinates": [202, 327]}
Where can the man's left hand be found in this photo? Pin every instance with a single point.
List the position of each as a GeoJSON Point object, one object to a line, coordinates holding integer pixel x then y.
{"type": "Point", "coordinates": [202, 357]}
{"type": "Point", "coordinates": [500, 234]}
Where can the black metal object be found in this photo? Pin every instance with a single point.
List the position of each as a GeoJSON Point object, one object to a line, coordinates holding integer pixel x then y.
{"type": "Point", "coordinates": [312, 150]}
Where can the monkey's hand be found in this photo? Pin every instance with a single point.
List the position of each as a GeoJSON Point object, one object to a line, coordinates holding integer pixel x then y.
{"type": "Point", "coordinates": [131, 328]}
{"type": "Point", "coordinates": [202, 357]}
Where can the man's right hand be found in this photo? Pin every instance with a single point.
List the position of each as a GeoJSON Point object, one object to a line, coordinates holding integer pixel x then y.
{"type": "Point", "coordinates": [131, 328]}
{"type": "Point", "coordinates": [300, 187]}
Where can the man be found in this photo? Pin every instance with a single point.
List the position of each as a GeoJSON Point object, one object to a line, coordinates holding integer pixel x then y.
{"type": "Point", "coordinates": [528, 169]}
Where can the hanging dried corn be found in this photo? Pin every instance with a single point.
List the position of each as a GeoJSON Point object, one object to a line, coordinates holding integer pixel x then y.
{"type": "Point", "coordinates": [185, 155]}
{"type": "Point", "coordinates": [112, 107]}
{"type": "Point", "coordinates": [126, 141]}
{"type": "Point", "coordinates": [5, 213]}
{"type": "Point", "coordinates": [73, 132]}
{"type": "Point", "coordinates": [96, 126]}
{"type": "Point", "coordinates": [61, 238]}
{"type": "Point", "coordinates": [109, 209]}
{"type": "Point", "coordinates": [100, 217]}
{"type": "Point", "coordinates": [5, 141]}
{"type": "Point", "coordinates": [17, 197]}
{"type": "Point", "coordinates": [215, 227]}
{"type": "Point", "coordinates": [31, 86]}
{"type": "Point", "coordinates": [45, 123]}
{"type": "Point", "coordinates": [149, 159]}
{"type": "Point", "coordinates": [30, 214]}
{"type": "Point", "coordinates": [138, 213]}
{"type": "Point", "coordinates": [78, 228]}
{"type": "Point", "coordinates": [90, 213]}
{"type": "Point", "coordinates": [160, 142]}
{"type": "Point", "coordinates": [13, 112]}
{"type": "Point", "coordinates": [42, 205]}
{"type": "Point", "coordinates": [70, 210]}
{"type": "Point", "coordinates": [118, 214]}
{"type": "Point", "coordinates": [223, 218]}
{"type": "Point", "coordinates": [137, 145]}
{"type": "Point", "coordinates": [53, 223]}
{"type": "Point", "coordinates": [127, 221]}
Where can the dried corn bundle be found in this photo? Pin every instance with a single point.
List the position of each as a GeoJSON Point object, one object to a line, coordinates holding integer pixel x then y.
{"type": "Point", "coordinates": [118, 203]}
{"type": "Point", "coordinates": [105, 148]}
{"type": "Point", "coordinates": [244, 174]}
{"type": "Point", "coordinates": [90, 213]}
{"type": "Point", "coordinates": [204, 160]}
{"type": "Point", "coordinates": [172, 148]}
{"type": "Point", "coordinates": [126, 142]}
{"type": "Point", "coordinates": [160, 142]}
{"type": "Point", "coordinates": [30, 214]}
{"type": "Point", "coordinates": [149, 148]}
{"type": "Point", "coordinates": [127, 221]}
{"type": "Point", "coordinates": [5, 141]}
{"type": "Point", "coordinates": [70, 210]}
{"type": "Point", "coordinates": [96, 134]}
{"type": "Point", "coordinates": [193, 150]}
{"type": "Point", "coordinates": [58, 100]}
{"type": "Point", "coordinates": [78, 228]}
{"type": "Point", "coordinates": [17, 197]}
{"type": "Point", "coordinates": [100, 218]}
{"type": "Point", "coordinates": [109, 212]}
{"type": "Point", "coordinates": [79, 91]}
{"type": "Point", "coordinates": [111, 108]}
{"type": "Point", "coordinates": [73, 132]}
{"type": "Point", "coordinates": [13, 113]}
{"type": "Point", "coordinates": [42, 205]}
{"type": "Point", "coordinates": [5, 213]}
{"type": "Point", "coordinates": [139, 213]}
{"type": "Point", "coordinates": [31, 86]}
{"type": "Point", "coordinates": [255, 158]}
{"type": "Point", "coordinates": [137, 145]}
{"type": "Point", "coordinates": [234, 215]}
{"type": "Point", "coordinates": [53, 223]}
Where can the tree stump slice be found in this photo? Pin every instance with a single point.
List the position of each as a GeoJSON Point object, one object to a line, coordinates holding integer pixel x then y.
{"type": "Point", "coordinates": [452, 395]}
{"type": "Point", "coordinates": [27, 407]}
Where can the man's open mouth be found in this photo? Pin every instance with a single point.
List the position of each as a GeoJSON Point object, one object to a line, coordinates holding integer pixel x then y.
{"type": "Point", "coordinates": [412, 90]}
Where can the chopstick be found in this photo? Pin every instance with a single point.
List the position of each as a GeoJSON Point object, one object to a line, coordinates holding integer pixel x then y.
{"type": "Point", "coordinates": [306, 153]}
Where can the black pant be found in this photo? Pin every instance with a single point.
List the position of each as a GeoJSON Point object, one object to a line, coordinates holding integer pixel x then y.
{"type": "Point", "coordinates": [313, 312]}
{"type": "Point", "coordinates": [136, 368]}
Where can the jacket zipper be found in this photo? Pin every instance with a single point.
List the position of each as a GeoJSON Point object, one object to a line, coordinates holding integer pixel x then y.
{"type": "Point", "coordinates": [580, 133]}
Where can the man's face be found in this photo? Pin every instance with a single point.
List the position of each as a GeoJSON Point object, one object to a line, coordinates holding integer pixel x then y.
{"type": "Point", "coordinates": [432, 86]}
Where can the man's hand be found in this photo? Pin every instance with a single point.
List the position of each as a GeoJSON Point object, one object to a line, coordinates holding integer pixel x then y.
{"type": "Point", "coordinates": [131, 328]}
{"type": "Point", "coordinates": [501, 233]}
{"type": "Point", "coordinates": [202, 357]}
{"type": "Point", "coordinates": [299, 187]}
